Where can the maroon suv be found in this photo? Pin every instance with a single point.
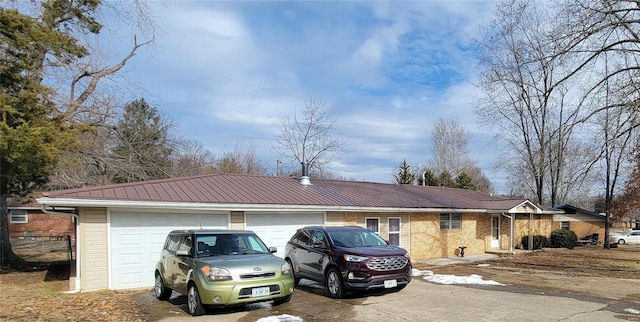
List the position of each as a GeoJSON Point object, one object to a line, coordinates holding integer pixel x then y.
{"type": "Point", "coordinates": [347, 258]}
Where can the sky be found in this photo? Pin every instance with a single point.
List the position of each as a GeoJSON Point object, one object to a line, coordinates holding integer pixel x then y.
{"type": "Point", "coordinates": [227, 73]}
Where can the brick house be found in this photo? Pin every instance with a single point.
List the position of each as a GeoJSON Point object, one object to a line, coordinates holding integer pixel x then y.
{"type": "Point", "coordinates": [27, 220]}
{"type": "Point", "coordinates": [581, 221]}
{"type": "Point", "coordinates": [121, 228]}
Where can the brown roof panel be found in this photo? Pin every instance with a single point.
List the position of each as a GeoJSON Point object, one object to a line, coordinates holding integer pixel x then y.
{"type": "Point", "coordinates": [278, 190]}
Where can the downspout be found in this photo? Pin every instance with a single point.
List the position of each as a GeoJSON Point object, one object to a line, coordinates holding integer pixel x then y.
{"type": "Point", "coordinates": [530, 238]}
{"type": "Point", "coordinates": [511, 245]}
{"type": "Point", "coordinates": [76, 279]}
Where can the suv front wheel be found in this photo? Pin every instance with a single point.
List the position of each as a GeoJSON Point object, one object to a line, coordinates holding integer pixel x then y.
{"type": "Point", "coordinates": [296, 279]}
{"type": "Point", "coordinates": [193, 301]}
{"type": "Point", "coordinates": [334, 284]}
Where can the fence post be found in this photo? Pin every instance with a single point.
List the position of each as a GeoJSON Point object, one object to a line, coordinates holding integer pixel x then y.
{"type": "Point", "coordinates": [69, 247]}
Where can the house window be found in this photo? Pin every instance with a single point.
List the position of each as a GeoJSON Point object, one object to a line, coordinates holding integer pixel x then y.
{"type": "Point", "coordinates": [564, 225]}
{"type": "Point", "coordinates": [394, 231]}
{"type": "Point", "coordinates": [18, 216]}
{"type": "Point", "coordinates": [373, 224]}
{"type": "Point", "coordinates": [450, 221]}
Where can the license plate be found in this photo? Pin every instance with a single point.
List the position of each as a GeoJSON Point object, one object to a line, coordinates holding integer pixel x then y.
{"type": "Point", "coordinates": [260, 291]}
{"type": "Point", "coordinates": [390, 283]}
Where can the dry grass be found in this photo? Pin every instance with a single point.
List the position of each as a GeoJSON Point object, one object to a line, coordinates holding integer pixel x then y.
{"type": "Point", "coordinates": [588, 270]}
{"type": "Point", "coordinates": [622, 262]}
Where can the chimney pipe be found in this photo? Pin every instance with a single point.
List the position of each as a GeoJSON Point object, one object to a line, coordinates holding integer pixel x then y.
{"type": "Point", "coordinates": [304, 179]}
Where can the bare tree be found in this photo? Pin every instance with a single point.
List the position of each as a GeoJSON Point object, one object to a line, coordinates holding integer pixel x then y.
{"type": "Point", "coordinates": [306, 136]}
{"type": "Point", "coordinates": [191, 159]}
{"type": "Point", "coordinates": [451, 157]}
{"type": "Point", "coordinates": [603, 38]}
{"type": "Point", "coordinates": [450, 147]}
{"type": "Point", "coordinates": [241, 160]}
{"type": "Point", "coordinates": [628, 203]}
{"type": "Point", "coordinates": [523, 102]}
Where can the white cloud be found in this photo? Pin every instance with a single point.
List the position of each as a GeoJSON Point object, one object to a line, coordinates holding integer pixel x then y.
{"type": "Point", "coordinates": [387, 72]}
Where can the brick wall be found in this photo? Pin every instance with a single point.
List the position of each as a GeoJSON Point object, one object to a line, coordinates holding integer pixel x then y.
{"type": "Point", "coordinates": [41, 224]}
{"type": "Point", "coordinates": [525, 225]}
{"type": "Point", "coordinates": [429, 241]}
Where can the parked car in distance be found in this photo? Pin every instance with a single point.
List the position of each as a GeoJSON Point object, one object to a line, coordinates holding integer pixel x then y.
{"type": "Point", "coordinates": [221, 268]}
{"type": "Point", "coordinates": [628, 237]}
{"type": "Point", "coordinates": [347, 259]}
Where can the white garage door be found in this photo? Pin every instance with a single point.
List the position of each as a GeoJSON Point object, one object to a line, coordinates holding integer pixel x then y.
{"type": "Point", "coordinates": [136, 239]}
{"type": "Point", "coordinates": [275, 229]}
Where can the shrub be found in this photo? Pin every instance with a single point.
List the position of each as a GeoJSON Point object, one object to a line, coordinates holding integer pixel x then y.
{"type": "Point", "coordinates": [563, 238]}
{"type": "Point", "coordinates": [539, 241]}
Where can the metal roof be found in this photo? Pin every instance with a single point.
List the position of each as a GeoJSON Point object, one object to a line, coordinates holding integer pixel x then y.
{"type": "Point", "coordinates": [240, 189]}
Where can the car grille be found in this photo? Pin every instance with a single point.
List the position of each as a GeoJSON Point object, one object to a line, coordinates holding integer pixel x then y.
{"type": "Point", "coordinates": [257, 275]}
{"type": "Point", "coordinates": [387, 263]}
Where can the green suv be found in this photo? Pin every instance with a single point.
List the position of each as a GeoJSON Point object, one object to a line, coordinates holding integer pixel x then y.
{"type": "Point", "coordinates": [221, 268]}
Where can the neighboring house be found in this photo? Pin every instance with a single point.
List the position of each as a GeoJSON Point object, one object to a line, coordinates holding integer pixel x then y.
{"type": "Point", "coordinates": [121, 228]}
{"type": "Point", "coordinates": [629, 221]}
{"type": "Point", "coordinates": [27, 220]}
{"type": "Point", "coordinates": [581, 221]}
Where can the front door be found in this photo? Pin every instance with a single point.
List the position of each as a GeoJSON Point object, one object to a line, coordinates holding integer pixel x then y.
{"type": "Point", "coordinates": [495, 231]}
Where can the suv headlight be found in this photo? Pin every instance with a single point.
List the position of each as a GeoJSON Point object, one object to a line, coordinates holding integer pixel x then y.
{"type": "Point", "coordinates": [214, 273]}
{"type": "Point", "coordinates": [354, 258]}
{"type": "Point", "coordinates": [286, 269]}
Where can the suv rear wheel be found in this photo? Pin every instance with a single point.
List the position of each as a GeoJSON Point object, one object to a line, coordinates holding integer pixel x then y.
{"type": "Point", "coordinates": [162, 291]}
{"type": "Point", "coordinates": [334, 284]}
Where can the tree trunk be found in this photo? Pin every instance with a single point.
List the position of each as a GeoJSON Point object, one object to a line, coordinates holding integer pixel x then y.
{"type": "Point", "coordinates": [6, 253]}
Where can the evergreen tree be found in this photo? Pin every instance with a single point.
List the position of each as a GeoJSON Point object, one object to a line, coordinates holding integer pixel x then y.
{"type": "Point", "coordinates": [427, 178]}
{"type": "Point", "coordinates": [144, 147]}
{"type": "Point", "coordinates": [32, 134]}
{"type": "Point", "coordinates": [404, 176]}
{"type": "Point", "coordinates": [445, 180]}
{"type": "Point", "coordinates": [464, 181]}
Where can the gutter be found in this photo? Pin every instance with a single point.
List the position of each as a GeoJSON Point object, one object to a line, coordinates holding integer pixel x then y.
{"type": "Point", "coordinates": [76, 279]}
{"type": "Point", "coordinates": [70, 202]}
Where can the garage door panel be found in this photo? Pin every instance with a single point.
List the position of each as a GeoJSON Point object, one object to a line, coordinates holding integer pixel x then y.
{"type": "Point", "coordinates": [275, 229]}
{"type": "Point", "coordinates": [136, 240]}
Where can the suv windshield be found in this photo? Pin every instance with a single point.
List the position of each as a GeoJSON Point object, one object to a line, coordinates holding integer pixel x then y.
{"type": "Point", "coordinates": [356, 238]}
{"type": "Point", "coordinates": [229, 244]}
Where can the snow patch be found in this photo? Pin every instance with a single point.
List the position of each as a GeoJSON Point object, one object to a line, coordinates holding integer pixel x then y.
{"type": "Point", "coordinates": [280, 318]}
{"type": "Point", "coordinates": [632, 311]}
{"type": "Point", "coordinates": [452, 279]}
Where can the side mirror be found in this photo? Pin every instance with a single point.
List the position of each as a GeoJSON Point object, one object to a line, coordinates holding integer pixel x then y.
{"type": "Point", "coordinates": [273, 249]}
{"type": "Point", "coordinates": [319, 245]}
{"type": "Point", "coordinates": [182, 253]}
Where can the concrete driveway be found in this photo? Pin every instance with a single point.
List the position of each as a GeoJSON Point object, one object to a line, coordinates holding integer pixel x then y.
{"type": "Point", "coordinates": [419, 301]}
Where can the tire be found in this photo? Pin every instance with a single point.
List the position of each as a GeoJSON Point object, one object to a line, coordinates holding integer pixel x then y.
{"type": "Point", "coordinates": [193, 301]}
{"type": "Point", "coordinates": [282, 300]}
{"type": "Point", "coordinates": [161, 291]}
{"type": "Point", "coordinates": [621, 241]}
{"type": "Point", "coordinates": [296, 279]}
{"type": "Point", "coordinates": [334, 284]}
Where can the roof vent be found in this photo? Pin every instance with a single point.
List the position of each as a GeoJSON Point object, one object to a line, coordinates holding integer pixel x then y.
{"type": "Point", "coordinates": [304, 179]}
